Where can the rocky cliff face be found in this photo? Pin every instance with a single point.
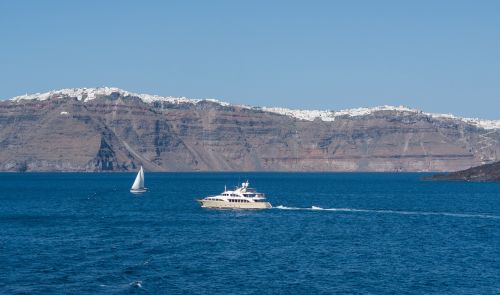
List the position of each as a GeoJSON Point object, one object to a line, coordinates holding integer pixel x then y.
{"type": "Point", "coordinates": [113, 130]}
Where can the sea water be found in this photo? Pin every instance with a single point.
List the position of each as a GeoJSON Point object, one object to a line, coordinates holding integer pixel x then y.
{"type": "Point", "coordinates": [356, 233]}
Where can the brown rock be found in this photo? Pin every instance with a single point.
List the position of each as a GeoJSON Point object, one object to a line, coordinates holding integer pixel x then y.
{"type": "Point", "coordinates": [120, 132]}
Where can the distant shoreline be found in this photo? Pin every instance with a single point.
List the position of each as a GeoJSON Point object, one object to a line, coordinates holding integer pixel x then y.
{"type": "Point", "coordinates": [149, 172]}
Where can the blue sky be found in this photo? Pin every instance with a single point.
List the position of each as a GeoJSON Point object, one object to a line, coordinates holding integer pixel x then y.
{"type": "Point", "coordinates": [439, 56]}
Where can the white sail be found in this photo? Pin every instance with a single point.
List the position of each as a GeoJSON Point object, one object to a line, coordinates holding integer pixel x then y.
{"type": "Point", "coordinates": [139, 180]}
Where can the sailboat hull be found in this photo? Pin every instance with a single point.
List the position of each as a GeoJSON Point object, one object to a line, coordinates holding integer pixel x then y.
{"type": "Point", "coordinates": [139, 190]}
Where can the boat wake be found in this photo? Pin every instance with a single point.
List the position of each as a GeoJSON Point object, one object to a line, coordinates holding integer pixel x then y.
{"type": "Point", "coordinates": [383, 211]}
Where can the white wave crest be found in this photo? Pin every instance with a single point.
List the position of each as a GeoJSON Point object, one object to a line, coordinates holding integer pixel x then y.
{"type": "Point", "coordinates": [136, 284]}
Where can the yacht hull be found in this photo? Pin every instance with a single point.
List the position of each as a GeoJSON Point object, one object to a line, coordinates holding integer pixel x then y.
{"type": "Point", "coordinates": [229, 205]}
{"type": "Point", "coordinates": [138, 191]}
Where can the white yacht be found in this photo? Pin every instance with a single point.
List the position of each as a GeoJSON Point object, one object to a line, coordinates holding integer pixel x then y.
{"type": "Point", "coordinates": [242, 197]}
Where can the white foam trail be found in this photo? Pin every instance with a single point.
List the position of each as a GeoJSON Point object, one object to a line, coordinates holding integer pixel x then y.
{"type": "Point", "coordinates": [281, 207]}
{"type": "Point", "coordinates": [463, 215]}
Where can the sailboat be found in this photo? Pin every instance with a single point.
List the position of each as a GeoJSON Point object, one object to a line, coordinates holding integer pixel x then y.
{"type": "Point", "coordinates": [138, 186]}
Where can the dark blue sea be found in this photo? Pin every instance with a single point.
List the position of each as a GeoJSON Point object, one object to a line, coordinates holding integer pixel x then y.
{"type": "Point", "coordinates": [368, 233]}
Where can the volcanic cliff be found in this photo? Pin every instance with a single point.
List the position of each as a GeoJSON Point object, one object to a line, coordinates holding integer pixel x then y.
{"type": "Point", "coordinates": [109, 129]}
